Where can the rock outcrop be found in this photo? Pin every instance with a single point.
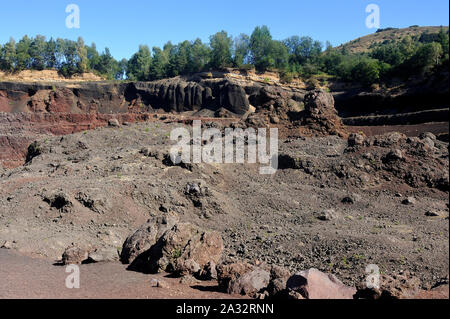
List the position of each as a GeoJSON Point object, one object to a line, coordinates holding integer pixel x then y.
{"type": "Point", "coordinates": [163, 244]}
{"type": "Point", "coordinates": [30, 110]}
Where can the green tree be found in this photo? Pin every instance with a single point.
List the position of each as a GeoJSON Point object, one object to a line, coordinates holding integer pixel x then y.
{"type": "Point", "coordinates": [366, 71]}
{"type": "Point", "coordinates": [82, 53]}
{"type": "Point", "coordinates": [158, 66]}
{"type": "Point", "coordinates": [37, 52]}
{"type": "Point", "coordinates": [50, 54]}
{"type": "Point", "coordinates": [280, 54]}
{"type": "Point", "coordinates": [23, 58]}
{"type": "Point", "coordinates": [108, 66]}
{"type": "Point", "coordinates": [8, 56]}
{"type": "Point", "coordinates": [241, 50]}
{"type": "Point", "coordinates": [122, 66]}
{"type": "Point", "coordinates": [68, 51]}
{"type": "Point", "coordinates": [221, 45]}
{"type": "Point", "coordinates": [427, 57]}
{"type": "Point", "coordinates": [139, 64]}
{"type": "Point", "coordinates": [93, 56]}
{"type": "Point", "coordinates": [260, 46]}
{"type": "Point", "coordinates": [443, 39]}
{"type": "Point", "coordinates": [199, 55]}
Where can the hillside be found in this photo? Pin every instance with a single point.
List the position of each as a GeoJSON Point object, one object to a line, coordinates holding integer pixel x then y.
{"type": "Point", "coordinates": [363, 44]}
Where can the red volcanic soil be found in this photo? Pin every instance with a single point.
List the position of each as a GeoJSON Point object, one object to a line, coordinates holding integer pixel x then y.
{"type": "Point", "coordinates": [26, 277]}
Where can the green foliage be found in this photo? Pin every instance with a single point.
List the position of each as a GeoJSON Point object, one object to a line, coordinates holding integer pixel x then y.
{"type": "Point", "coordinates": [293, 57]}
{"type": "Point", "coordinates": [221, 50]}
{"type": "Point", "coordinates": [139, 65]}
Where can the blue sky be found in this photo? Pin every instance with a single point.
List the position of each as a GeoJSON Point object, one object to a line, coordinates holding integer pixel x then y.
{"type": "Point", "coordinates": [123, 25]}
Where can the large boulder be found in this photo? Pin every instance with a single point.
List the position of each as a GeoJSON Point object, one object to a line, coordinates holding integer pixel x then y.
{"type": "Point", "coordinates": [182, 249]}
{"type": "Point", "coordinates": [186, 249]}
{"type": "Point", "coordinates": [242, 278]}
{"type": "Point", "coordinates": [320, 114]}
{"type": "Point", "coordinates": [146, 236]}
{"type": "Point", "coordinates": [314, 284]}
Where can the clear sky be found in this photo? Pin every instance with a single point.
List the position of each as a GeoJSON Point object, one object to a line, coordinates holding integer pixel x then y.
{"type": "Point", "coordinates": [123, 25]}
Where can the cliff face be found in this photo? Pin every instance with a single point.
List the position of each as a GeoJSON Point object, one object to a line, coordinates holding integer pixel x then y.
{"type": "Point", "coordinates": [105, 98]}
{"type": "Point", "coordinates": [31, 109]}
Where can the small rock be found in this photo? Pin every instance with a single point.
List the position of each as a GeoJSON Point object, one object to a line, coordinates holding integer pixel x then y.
{"type": "Point", "coordinates": [7, 245]}
{"type": "Point", "coordinates": [409, 201]}
{"type": "Point", "coordinates": [158, 283]}
{"type": "Point", "coordinates": [355, 139]}
{"type": "Point", "coordinates": [274, 119]}
{"type": "Point", "coordinates": [348, 200]}
{"type": "Point", "coordinates": [74, 255]}
{"type": "Point", "coordinates": [104, 255]}
{"type": "Point", "coordinates": [394, 155]}
{"type": "Point", "coordinates": [327, 215]}
{"type": "Point", "coordinates": [427, 135]}
{"type": "Point", "coordinates": [428, 142]}
{"type": "Point", "coordinates": [113, 123]}
{"type": "Point", "coordinates": [435, 213]}
{"type": "Point", "coordinates": [188, 280]}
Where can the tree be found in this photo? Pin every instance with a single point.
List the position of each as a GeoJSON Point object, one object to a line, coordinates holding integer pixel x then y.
{"type": "Point", "coordinates": [427, 57]}
{"type": "Point", "coordinates": [241, 50]}
{"type": "Point", "coordinates": [139, 64]}
{"type": "Point", "coordinates": [303, 50]}
{"type": "Point", "coordinates": [366, 71]}
{"type": "Point", "coordinates": [158, 66]}
{"type": "Point", "coordinates": [121, 69]}
{"type": "Point", "coordinates": [83, 61]}
{"type": "Point", "coordinates": [280, 54]}
{"type": "Point", "coordinates": [8, 56]}
{"type": "Point", "coordinates": [93, 56]}
{"type": "Point", "coordinates": [23, 58]}
{"type": "Point", "coordinates": [50, 56]}
{"type": "Point", "coordinates": [221, 54]}
{"type": "Point", "coordinates": [199, 56]}
{"type": "Point", "coordinates": [68, 51]}
{"type": "Point", "coordinates": [108, 66]}
{"type": "Point", "coordinates": [443, 39]}
{"type": "Point", "coordinates": [260, 45]}
{"type": "Point", "coordinates": [37, 52]}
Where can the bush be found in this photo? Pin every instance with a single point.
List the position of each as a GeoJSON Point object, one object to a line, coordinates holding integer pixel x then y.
{"type": "Point", "coordinates": [286, 77]}
{"type": "Point", "coordinates": [312, 83]}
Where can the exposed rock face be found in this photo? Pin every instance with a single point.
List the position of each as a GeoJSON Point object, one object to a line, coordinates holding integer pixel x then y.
{"type": "Point", "coordinates": [28, 110]}
{"type": "Point", "coordinates": [320, 114]}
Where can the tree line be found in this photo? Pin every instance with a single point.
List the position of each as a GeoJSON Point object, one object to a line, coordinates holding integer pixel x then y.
{"type": "Point", "coordinates": [295, 56]}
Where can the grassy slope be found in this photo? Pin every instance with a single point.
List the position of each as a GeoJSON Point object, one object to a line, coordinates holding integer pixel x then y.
{"type": "Point", "coordinates": [362, 44]}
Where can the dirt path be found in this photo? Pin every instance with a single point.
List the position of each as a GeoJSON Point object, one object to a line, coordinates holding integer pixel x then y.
{"type": "Point", "coordinates": [26, 277]}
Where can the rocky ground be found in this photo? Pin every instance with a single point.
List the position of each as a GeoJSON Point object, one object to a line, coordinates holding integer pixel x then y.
{"type": "Point", "coordinates": [335, 204]}
{"type": "Point", "coordinates": [94, 187]}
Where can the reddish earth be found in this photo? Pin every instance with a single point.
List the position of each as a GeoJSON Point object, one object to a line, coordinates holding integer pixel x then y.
{"type": "Point", "coordinates": [26, 277]}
